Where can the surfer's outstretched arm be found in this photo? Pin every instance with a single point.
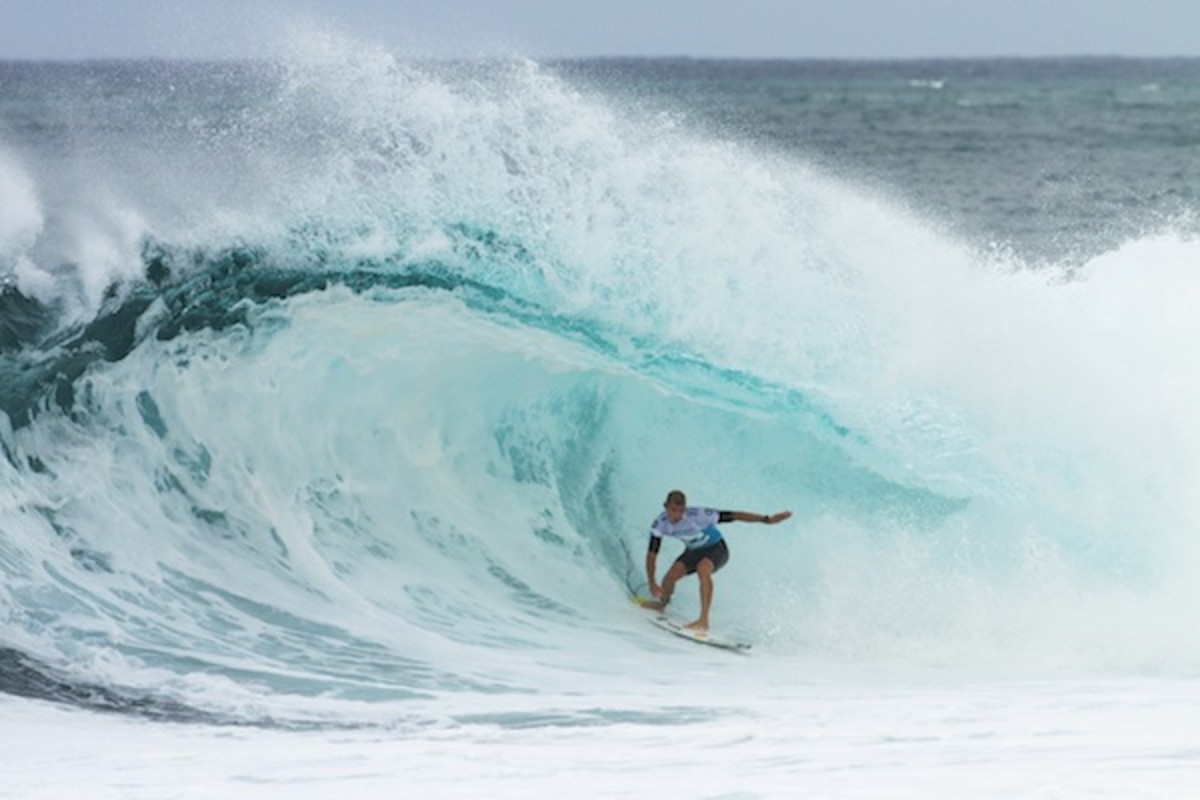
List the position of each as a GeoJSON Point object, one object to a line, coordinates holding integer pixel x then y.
{"type": "Point", "coordinates": [746, 516]}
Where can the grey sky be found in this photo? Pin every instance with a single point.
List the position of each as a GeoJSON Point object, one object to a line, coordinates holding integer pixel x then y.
{"type": "Point", "coordinates": [70, 29]}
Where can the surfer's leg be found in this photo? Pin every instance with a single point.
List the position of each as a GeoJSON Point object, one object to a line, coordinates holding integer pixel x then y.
{"type": "Point", "coordinates": [713, 559]}
{"type": "Point", "coordinates": [677, 571]}
{"type": "Point", "coordinates": [704, 571]}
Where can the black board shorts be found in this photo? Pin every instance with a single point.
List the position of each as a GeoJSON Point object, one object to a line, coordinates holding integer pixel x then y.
{"type": "Point", "coordinates": [717, 553]}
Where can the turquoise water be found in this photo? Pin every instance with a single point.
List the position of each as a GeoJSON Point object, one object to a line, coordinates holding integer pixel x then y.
{"type": "Point", "coordinates": [338, 385]}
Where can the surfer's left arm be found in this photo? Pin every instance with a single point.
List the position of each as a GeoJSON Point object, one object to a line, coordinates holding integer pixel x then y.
{"type": "Point", "coordinates": [746, 516]}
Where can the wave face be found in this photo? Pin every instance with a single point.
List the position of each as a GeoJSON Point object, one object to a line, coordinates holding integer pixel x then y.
{"type": "Point", "coordinates": [348, 382]}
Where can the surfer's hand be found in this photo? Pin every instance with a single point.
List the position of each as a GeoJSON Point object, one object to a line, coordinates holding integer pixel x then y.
{"type": "Point", "coordinates": [778, 517]}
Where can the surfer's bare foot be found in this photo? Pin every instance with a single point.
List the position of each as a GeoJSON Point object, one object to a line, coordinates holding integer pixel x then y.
{"type": "Point", "coordinates": [653, 605]}
{"type": "Point", "coordinates": [700, 625]}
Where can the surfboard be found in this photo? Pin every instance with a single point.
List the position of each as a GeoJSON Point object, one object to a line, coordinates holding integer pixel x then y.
{"type": "Point", "coordinates": [661, 620]}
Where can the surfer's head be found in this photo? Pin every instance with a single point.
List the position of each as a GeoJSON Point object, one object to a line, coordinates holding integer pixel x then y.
{"type": "Point", "coordinates": [675, 505]}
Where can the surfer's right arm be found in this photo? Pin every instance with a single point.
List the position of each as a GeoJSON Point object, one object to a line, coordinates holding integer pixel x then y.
{"type": "Point", "coordinates": [652, 566]}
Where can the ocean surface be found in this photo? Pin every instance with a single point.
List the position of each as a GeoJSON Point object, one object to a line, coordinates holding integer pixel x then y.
{"type": "Point", "coordinates": [338, 392]}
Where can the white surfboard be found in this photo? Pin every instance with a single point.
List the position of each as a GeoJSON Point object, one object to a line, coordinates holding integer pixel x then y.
{"type": "Point", "coordinates": [661, 620]}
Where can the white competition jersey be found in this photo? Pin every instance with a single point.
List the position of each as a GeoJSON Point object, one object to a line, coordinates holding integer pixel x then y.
{"type": "Point", "coordinates": [696, 528]}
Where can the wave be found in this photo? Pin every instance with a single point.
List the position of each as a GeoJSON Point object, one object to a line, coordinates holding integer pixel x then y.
{"type": "Point", "coordinates": [391, 424]}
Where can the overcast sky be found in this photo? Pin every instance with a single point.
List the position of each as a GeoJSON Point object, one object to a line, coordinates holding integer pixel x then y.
{"type": "Point", "coordinates": [73, 29]}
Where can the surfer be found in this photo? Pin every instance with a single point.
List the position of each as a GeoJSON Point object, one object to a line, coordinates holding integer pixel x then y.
{"type": "Point", "coordinates": [705, 549]}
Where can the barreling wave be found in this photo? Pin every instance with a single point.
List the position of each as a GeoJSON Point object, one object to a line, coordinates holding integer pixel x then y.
{"type": "Point", "coordinates": [378, 412]}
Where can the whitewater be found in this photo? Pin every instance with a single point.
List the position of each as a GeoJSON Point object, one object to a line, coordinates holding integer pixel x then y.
{"type": "Point", "coordinates": [338, 393]}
